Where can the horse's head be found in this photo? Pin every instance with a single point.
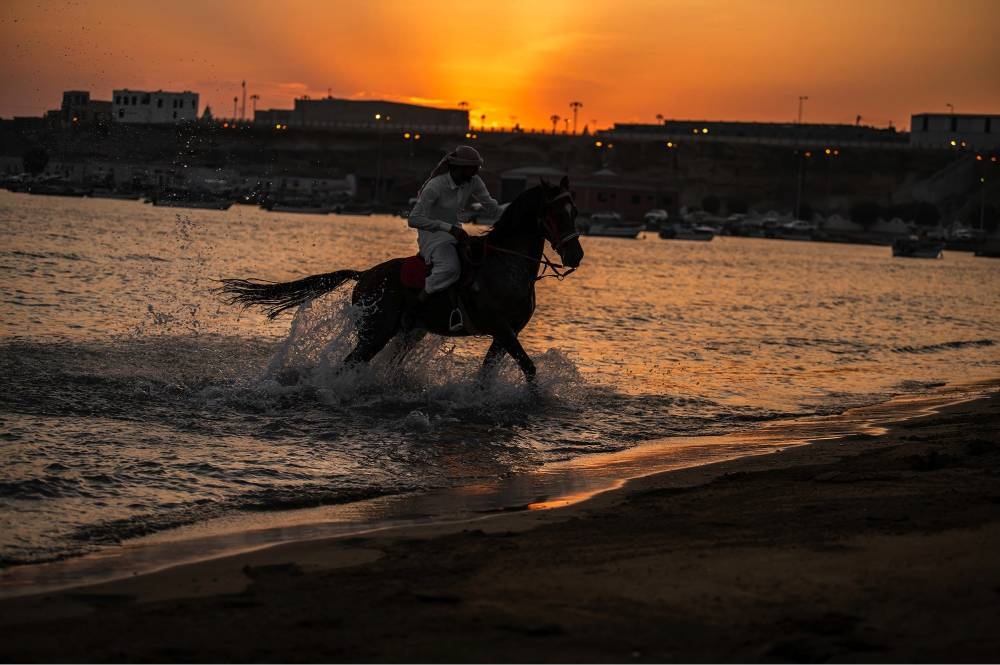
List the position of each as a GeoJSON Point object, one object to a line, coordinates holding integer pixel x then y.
{"type": "Point", "coordinates": [558, 221]}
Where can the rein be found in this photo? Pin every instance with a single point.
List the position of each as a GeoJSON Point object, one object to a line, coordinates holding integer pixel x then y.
{"type": "Point", "coordinates": [546, 262]}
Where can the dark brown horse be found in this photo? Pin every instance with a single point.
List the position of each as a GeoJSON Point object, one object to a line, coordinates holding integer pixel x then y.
{"type": "Point", "coordinates": [498, 300]}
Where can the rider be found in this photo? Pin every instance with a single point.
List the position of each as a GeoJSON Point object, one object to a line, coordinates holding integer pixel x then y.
{"type": "Point", "coordinates": [440, 210]}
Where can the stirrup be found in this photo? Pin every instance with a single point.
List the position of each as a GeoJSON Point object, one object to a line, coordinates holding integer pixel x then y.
{"type": "Point", "coordinates": [456, 321]}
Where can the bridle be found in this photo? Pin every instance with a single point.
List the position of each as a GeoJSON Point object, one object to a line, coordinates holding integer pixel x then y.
{"type": "Point", "coordinates": [549, 226]}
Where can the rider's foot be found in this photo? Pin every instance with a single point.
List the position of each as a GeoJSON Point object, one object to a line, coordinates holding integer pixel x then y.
{"type": "Point", "coordinates": [455, 321]}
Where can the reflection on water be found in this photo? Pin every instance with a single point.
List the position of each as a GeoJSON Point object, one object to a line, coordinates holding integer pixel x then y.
{"type": "Point", "coordinates": [136, 402]}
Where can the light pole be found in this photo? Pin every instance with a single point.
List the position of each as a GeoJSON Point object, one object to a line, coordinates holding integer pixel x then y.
{"type": "Point", "coordinates": [555, 121]}
{"type": "Point", "coordinates": [235, 99]}
{"type": "Point", "coordinates": [803, 156]}
{"type": "Point", "coordinates": [951, 108]}
{"type": "Point", "coordinates": [253, 103]}
{"type": "Point", "coordinates": [411, 138]}
{"type": "Point", "coordinates": [802, 98]}
{"type": "Point", "coordinates": [378, 162]}
{"type": "Point", "coordinates": [576, 106]}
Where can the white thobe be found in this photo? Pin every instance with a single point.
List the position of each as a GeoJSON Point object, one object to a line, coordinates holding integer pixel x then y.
{"type": "Point", "coordinates": [441, 206]}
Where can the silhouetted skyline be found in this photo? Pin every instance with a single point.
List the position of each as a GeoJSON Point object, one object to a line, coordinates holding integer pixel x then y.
{"type": "Point", "coordinates": [522, 62]}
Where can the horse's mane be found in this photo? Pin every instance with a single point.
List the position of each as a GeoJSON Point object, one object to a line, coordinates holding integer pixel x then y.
{"type": "Point", "coordinates": [526, 204]}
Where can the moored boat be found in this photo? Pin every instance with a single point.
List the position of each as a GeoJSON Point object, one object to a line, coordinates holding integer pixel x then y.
{"type": "Point", "coordinates": [686, 232]}
{"type": "Point", "coordinates": [917, 248]}
{"type": "Point", "coordinates": [655, 219]}
{"type": "Point", "coordinates": [609, 224]}
{"type": "Point", "coordinates": [301, 209]}
{"type": "Point", "coordinates": [207, 203]}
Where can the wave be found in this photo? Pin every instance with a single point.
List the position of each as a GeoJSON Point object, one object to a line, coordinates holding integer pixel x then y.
{"type": "Point", "coordinates": [944, 346]}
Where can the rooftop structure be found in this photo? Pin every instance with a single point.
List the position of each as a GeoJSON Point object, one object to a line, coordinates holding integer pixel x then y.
{"type": "Point", "coordinates": [332, 113]}
{"type": "Point", "coordinates": [952, 130]}
{"type": "Point", "coordinates": [160, 107]}
{"type": "Point", "coordinates": [762, 132]}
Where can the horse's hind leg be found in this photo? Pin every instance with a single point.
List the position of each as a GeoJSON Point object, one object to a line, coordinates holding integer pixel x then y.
{"type": "Point", "coordinates": [407, 343]}
{"type": "Point", "coordinates": [381, 304]}
{"type": "Point", "coordinates": [374, 332]}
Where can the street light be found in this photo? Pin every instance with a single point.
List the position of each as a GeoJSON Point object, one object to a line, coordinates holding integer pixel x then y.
{"type": "Point", "coordinates": [951, 108]}
{"type": "Point", "coordinates": [379, 120]}
{"type": "Point", "coordinates": [411, 139]}
{"type": "Point", "coordinates": [802, 98]}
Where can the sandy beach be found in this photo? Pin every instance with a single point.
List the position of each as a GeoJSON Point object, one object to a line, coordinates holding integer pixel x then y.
{"type": "Point", "coordinates": [874, 548]}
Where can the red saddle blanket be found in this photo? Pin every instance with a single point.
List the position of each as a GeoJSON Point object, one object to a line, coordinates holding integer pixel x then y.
{"type": "Point", "coordinates": [413, 272]}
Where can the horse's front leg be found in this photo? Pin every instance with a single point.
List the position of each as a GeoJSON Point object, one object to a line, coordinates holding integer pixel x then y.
{"type": "Point", "coordinates": [508, 341]}
{"type": "Point", "coordinates": [490, 362]}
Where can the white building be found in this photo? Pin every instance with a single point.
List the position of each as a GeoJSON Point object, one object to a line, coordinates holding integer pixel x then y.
{"type": "Point", "coordinates": [138, 106]}
{"type": "Point", "coordinates": [953, 130]}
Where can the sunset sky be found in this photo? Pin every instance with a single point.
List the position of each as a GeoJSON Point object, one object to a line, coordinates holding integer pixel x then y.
{"type": "Point", "coordinates": [625, 60]}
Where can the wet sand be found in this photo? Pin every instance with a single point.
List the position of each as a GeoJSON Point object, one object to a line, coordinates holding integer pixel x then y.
{"type": "Point", "coordinates": [872, 548]}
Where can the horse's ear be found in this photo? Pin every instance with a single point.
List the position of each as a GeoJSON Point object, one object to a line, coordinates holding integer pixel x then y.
{"type": "Point", "coordinates": [564, 183]}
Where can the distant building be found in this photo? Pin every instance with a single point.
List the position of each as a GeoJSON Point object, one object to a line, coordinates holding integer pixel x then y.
{"type": "Point", "coordinates": [778, 133]}
{"type": "Point", "coordinates": [950, 130]}
{"type": "Point", "coordinates": [339, 114]}
{"type": "Point", "coordinates": [140, 107]}
{"type": "Point", "coordinates": [276, 118]}
{"type": "Point", "coordinates": [79, 109]}
{"type": "Point", "coordinates": [601, 191]}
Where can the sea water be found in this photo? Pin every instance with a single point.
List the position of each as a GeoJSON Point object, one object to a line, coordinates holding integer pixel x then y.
{"type": "Point", "coordinates": [134, 401]}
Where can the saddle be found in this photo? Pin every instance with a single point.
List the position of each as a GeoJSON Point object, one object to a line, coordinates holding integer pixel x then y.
{"type": "Point", "coordinates": [413, 274]}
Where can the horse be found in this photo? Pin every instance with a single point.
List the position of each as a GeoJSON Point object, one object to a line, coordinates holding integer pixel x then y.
{"type": "Point", "coordinates": [497, 301]}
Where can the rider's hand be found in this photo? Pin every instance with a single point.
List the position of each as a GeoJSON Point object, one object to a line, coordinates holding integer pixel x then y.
{"type": "Point", "coordinates": [459, 233]}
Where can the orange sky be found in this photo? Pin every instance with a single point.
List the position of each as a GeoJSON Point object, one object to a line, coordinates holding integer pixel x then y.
{"type": "Point", "coordinates": [626, 60]}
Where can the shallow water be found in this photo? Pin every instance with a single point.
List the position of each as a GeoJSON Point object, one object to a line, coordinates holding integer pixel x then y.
{"type": "Point", "coordinates": [134, 401]}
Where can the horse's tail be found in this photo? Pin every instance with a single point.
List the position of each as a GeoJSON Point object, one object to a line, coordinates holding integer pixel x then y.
{"type": "Point", "coordinates": [275, 297]}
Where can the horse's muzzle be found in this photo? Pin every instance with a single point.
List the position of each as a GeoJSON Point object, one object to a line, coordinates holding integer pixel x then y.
{"type": "Point", "coordinates": [571, 253]}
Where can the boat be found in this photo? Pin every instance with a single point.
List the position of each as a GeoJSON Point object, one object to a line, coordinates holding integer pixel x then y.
{"type": "Point", "coordinates": [655, 219]}
{"type": "Point", "coordinates": [114, 194]}
{"type": "Point", "coordinates": [308, 209]}
{"type": "Point", "coordinates": [687, 232]}
{"type": "Point", "coordinates": [795, 230]}
{"type": "Point", "coordinates": [608, 224]}
{"type": "Point", "coordinates": [476, 216]}
{"type": "Point", "coordinates": [355, 209]}
{"type": "Point", "coordinates": [56, 188]}
{"type": "Point", "coordinates": [207, 203]}
{"type": "Point", "coordinates": [917, 248]}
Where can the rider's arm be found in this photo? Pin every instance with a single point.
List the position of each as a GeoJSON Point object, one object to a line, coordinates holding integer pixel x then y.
{"type": "Point", "coordinates": [420, 215]}
{"type": "Point", "coordinates": [491, 209]}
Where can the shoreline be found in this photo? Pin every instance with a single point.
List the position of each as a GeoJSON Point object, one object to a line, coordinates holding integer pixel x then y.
{"type": "Point", "coordinates": [875, 547]}
{"type": "Point", "coordinates": [556, 487]}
